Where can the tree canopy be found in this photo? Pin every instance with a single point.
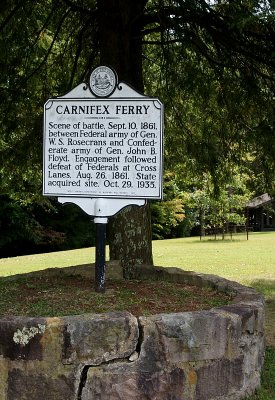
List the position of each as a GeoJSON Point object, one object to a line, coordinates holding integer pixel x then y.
{"type": "Point", "coordinates": [210, 62]}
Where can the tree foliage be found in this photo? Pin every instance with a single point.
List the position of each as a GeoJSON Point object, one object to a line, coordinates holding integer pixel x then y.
{"type": "Point", "coordinates": [228, 208]}
{"type": "Point", "coordinates": [168, 214]}
{"type": "Point", "coordinates": [210, 62]}
{"type": "Point", "coordinates": [214, 63]}
{"type": "Point", "coordinates": [31, 228]}
{"type": "Point", "coordinates": [219, 95]}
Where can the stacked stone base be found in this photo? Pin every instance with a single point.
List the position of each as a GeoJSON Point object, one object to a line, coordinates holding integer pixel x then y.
{"type": "Point", "coordinates": [208, 355]}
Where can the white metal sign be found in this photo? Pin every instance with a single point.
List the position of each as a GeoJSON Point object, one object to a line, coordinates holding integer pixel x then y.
{"type": "Point", "coordinates": [103, 147]}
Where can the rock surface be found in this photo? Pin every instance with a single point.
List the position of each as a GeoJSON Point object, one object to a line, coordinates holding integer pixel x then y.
{"type": "Point", "coordinates": [207, 355]}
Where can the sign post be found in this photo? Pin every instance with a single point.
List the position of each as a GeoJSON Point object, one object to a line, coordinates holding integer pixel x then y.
{"type": "Point", "coordinates": [100, 255]}
{"type": "Point", "coordinates": [103, 150]}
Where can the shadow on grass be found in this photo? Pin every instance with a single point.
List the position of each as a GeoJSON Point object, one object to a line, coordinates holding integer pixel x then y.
{"type": "Point", "coordinates": [267, 390]}
{"type": "Point", "coordinates": [266, 287]}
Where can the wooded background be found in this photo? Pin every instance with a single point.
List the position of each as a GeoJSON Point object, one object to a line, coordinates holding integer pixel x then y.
{"type": "Point", "coordinates": [212, 65]}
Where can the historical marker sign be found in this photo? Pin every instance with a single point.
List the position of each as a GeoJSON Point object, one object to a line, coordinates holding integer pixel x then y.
{"type": "Point", "coordinates": [103, 150]}
{"type": "Point", "coordinates": [103, 147]}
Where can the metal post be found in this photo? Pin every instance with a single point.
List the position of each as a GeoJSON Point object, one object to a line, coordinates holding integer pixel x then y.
{"type": "Point", "coordinates": [100, 258]}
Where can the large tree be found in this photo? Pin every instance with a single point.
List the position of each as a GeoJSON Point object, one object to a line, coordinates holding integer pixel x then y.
{"type": "Point", "coordinates": [207, 59]}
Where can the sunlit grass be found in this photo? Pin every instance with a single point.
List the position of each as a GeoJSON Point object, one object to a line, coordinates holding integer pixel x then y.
{"type": "Point", "coordinates": [251, 262]}
{"type": "Point", "coordinates": [37, 262]}
{"type": "Point", "coordinates": [242, 260]}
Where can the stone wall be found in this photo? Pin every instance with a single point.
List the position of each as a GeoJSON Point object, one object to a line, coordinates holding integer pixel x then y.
{"type": "Point", "coordinates": [208, 355]}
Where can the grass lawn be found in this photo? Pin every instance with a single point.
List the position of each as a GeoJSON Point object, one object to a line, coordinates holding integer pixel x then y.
{"type": "Point", "coordinates": [37, 262]}
{"type": "Point", "coordinates": [251, 262]}
{"type": "Point", "coordinates": [246, 261]}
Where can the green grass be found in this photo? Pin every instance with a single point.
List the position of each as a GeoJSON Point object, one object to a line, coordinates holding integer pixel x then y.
{"type": "Point", "coordinates": [242, 260]}
{"type": "Point", "coordinates": [37, 262]}
{"type": "Point", "coordinates": [250, 262]}
{"type": "Point", "coordinates": [267, 391]}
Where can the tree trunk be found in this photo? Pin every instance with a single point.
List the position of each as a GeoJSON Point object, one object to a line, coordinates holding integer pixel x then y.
{"type": "Point", "coordinates": [121, 48]}
{"type": "Point", "coordinates": [130, 239]}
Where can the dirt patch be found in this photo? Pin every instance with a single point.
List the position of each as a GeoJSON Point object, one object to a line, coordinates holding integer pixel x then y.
{"type": "Point", "coordinates": [67, 295]}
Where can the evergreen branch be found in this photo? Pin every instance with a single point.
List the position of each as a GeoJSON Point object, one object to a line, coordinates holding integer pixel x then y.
{"type": "Point", "coordinates": [78, 51]}
{"type": "Point", "coordinates": [51, 46]}
{"type": "Point", "coordinates": [10, 15]}
{"type": "Point", "coordinates": [54, 8]}
{"type": "Point", "coordinates": [253, 44]}
{"type": "Point", "coordinates": [78, 8]}
{"type": "Point", "coordinates": [92, 57]}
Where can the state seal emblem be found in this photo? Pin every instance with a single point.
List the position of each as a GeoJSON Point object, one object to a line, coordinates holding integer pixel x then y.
{"type": "Point", "coordinates": [103, 81]}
